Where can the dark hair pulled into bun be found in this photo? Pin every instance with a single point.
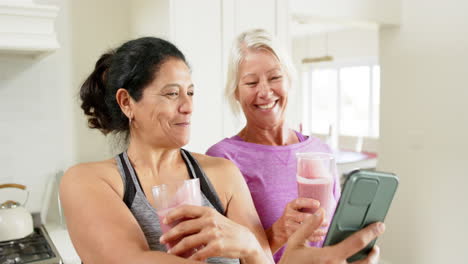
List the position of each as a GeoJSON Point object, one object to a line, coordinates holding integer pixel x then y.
{"type": "Point", "coordinates": [132, 66]}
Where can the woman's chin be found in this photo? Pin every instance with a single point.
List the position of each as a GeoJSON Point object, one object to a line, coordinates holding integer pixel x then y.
{"type": "Point", "coordinates": [183, 141]}
{"type": "Point", "coordinates": [180, 138]}
{"type": "Point", "coordinates": [173, 142]}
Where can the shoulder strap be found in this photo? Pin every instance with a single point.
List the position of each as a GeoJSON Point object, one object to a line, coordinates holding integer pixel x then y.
{"type": "Point", "coordinates": [205, 184]}
{"type": "Point", "coordinates": [133, 174]}
{"type": "Point", "coordinates": [129, 187]}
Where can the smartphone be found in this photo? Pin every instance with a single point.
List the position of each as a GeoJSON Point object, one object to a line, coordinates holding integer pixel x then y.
{"type": "Point", "coordinates": [365, 199]}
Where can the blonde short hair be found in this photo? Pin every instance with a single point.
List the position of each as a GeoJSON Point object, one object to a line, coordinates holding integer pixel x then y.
{"type": "Point", "coordinates": [255, 39]}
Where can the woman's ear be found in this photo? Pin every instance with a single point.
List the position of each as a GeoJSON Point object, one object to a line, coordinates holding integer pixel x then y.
{"type": "Point", "coordinates": [236, 94]}
{"type": "Point", "coordinates": [124, 100]}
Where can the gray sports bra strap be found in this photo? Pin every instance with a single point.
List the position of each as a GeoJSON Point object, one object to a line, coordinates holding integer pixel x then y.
{"type": "Point", "coordinates": [129, 187]}
{"type": "Point", "coordinates": [205, 184]}
{"type": "Point", "coordinates": [132, 183]}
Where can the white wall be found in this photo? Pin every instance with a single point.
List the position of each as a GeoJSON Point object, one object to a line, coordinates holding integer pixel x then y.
{"type": "Point", "coordinates": [150, 18]}
{"type": "Point", "coordinates": [200, 38]}
{"type": "Point", "coordinates": [96, 26]}
{"type": "Point", "coordinates": [424, 124]}
{"type": "Point", "coordinates": [42, 129]}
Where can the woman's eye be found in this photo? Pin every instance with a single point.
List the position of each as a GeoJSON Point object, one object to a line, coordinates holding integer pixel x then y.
{"type": "Point", "coordinates": [251, 83]}
{"type": "Point", "coordinates": [172, 94]}
{"type": "Point", "coordinates": [190, 93]}
{"type": "Point", "coordinates": [276, 77]}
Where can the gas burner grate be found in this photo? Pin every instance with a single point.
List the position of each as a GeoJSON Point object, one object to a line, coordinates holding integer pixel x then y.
{"type": "Point", "coordinates": [34, 248]}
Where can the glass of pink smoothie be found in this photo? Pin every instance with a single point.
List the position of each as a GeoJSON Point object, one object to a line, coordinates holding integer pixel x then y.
{"type": "Point", "coordinates": [172, 195]}
{"type": "Point", "coordinates": [315, 174]}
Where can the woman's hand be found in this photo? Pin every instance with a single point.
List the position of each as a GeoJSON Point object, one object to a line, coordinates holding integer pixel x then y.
{"type": "Point", "coordinates": [291, 220]}
{"type": "Point", "coordinates": [297, 251]}
{"type": "Point", "coordinates": [214, 235]}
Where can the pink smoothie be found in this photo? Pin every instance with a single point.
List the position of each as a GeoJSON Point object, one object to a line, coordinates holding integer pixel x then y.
{"type": "Point", "coordinates": [165, 228]}
{"type": "Point", "coordinates": [320, 189]}
{"type": "Point", "coordinates": [183, 196]}
{"type": "Point", "coordinates": [311, 169]}
{"type": "Point", "coordinates": [161, 215]}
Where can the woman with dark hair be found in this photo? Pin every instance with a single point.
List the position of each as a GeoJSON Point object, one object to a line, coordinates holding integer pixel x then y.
{"type": "Point", "coordinates": [144, 91]}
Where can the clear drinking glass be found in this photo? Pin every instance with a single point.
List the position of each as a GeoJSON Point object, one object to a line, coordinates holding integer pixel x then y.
{"type": "Point", "coordinates": [315, 175]}
{"type": "Point", "coordinates": [172, 195]}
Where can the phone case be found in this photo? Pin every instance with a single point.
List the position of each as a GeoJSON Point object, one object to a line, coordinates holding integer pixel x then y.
{"type": "Point", "coordinates": [365, 199]}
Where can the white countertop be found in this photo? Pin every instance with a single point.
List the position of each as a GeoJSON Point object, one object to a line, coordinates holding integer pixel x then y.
{"type": "Point", "coordinates": [348, 161]}
{"type": "Point", "coordinates": [62, 242]}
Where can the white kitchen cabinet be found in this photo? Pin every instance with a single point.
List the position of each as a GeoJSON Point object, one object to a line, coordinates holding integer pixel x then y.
{"type": "Point", "coordinates": [61, 239]}
{"type": "Point", "coordinates": [27, 27]}
{"type": "Point", "coordinates": [204, 31]}
{"type": "Point", "coordinates": [242, 15]}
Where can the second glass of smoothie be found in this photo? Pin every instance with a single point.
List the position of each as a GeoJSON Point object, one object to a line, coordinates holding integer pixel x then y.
{"type": "Point", "coordinates": [315, 175]}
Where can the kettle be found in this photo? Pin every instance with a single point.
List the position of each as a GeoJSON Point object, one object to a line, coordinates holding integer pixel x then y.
{"type": "Point", "coordinates": [15, 221]}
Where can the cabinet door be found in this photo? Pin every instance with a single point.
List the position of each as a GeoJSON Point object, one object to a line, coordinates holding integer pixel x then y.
{"type": "Point", "coordinates": [242, 15]}
{"type": "Point", "coordinates": [196, 30]}
{"type": "Point", "coordinates": [255, 14]}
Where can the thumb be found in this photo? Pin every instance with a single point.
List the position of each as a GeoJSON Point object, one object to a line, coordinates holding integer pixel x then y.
{"type": "Point", "coordinates": [311, 223]}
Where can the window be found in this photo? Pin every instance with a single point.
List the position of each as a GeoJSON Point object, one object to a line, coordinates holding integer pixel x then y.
{"type": "Point", "coordinates": [344, 97]}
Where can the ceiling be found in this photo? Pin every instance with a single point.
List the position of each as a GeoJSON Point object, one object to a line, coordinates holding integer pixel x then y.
{"type": "Point", "coordinates": [305, 25]}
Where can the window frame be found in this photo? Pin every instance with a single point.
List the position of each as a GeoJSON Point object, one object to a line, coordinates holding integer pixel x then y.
{"type": "Point", "coordinates": [337, 65]}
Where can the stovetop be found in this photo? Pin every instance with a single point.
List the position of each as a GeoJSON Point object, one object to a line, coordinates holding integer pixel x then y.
{"type": "Point", "coordinates": [36, 248]}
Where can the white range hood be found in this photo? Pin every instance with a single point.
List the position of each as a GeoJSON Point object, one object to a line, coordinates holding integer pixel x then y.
{"type": "Point", "coordinates": [27, 28]}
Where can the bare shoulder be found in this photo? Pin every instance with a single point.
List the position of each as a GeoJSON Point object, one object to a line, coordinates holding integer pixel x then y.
{"type": "Point", "coordinates": [88, 171]}
{"type": "Point", "coordinates": [223, 174]}
{"type": "Point", "coordinates": [86, 175]}
{"type": "Point", "coordinates": [91, 195]}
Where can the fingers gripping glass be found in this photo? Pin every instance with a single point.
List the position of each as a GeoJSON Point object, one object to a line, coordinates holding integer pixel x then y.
{"type": "Point", "coordinates": [172, 195]}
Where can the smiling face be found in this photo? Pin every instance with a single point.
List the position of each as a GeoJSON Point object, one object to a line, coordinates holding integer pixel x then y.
{"type": "Point", "coordinates": [262, 90]}
{"type": "Point", "coordinates": [162, 116]}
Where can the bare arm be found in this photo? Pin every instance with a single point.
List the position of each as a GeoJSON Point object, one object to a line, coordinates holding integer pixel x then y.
{"type": "Point", "coordinates": [241, 209]}
{"type": "Point", "coordinates": [101, 227]}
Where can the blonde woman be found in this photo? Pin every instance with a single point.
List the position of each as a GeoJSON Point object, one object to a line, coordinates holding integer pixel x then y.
{"type": "Point", "coordinates": [260, 77]}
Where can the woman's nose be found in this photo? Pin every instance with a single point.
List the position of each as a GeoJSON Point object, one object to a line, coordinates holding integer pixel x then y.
{"type": "Point", "coordinates": [186, 105]}
{"type": "Point", "coordinates": [264, 89]}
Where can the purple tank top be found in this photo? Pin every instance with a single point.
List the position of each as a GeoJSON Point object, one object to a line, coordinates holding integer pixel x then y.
{"type": "Point", "coordinates": [270, 173]}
